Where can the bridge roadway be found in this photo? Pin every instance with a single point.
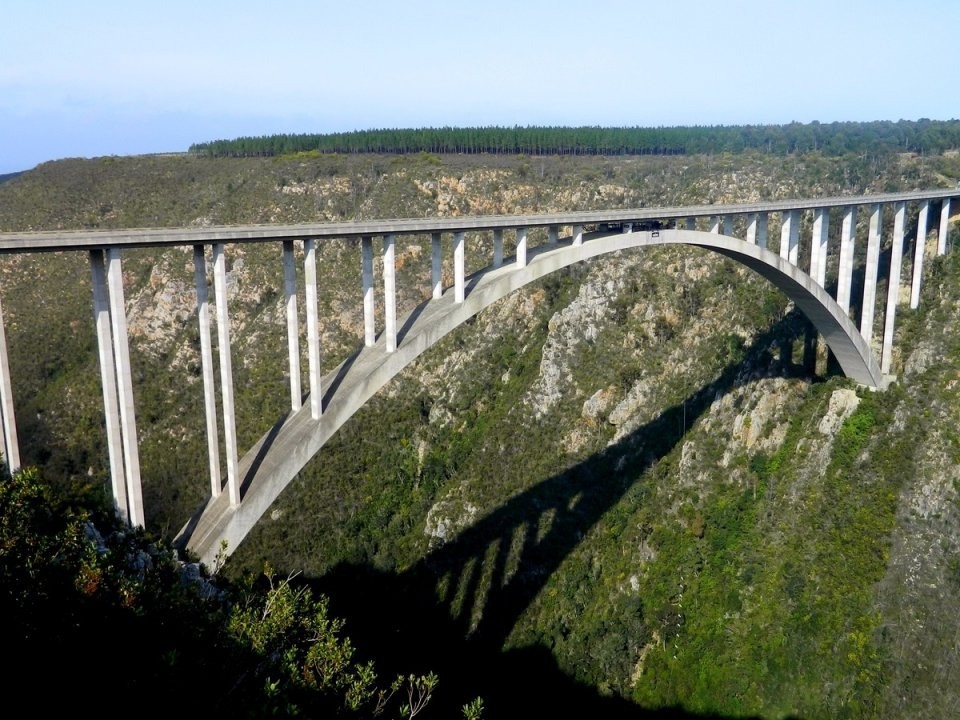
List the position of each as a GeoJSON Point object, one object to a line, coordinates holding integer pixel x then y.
{"type": "Point", "coordinates": [255, 481]}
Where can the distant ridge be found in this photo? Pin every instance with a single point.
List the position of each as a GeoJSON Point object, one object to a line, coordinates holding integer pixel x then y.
{"type": "Point", "coordinates": [836, 138]}
{"type": "Point", "coordinates": [10, 176]}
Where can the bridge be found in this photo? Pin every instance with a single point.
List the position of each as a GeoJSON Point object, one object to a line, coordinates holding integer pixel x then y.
{"type": "Point", "coordinates": [240, 497]}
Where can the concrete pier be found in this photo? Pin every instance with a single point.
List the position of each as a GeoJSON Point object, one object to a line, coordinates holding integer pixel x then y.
{"type": "Point", "coordinates": [521, 247]}
{"type": "Point", "coordinates": [206, 365]}
{"type": "Point", "coordinates": [11, 446]}
{"type": "Point", "coordinates": [293, 324]}
{"type": "Point", "coordinates": [578, 234]}
{"type": "Point", "coordinates": [944, 228]}
{"type": "Point", "coordinates": [752, 228]}
{"type": "Point", "coordinates": [919, 248]}
{"type": "Point", "coordinates": [870, 273]}
{"type": "Point", "coordinates": [553, 234]}
{"type": "Point", "coordinates": [436, 265]}
{"type": "Point", "coordinates": [790, 237]}
{"type": "Point", "coordinates": [226, 372]}
{"type": "Point", "coordinates": [848, 232]}
{"type": "Point", "coordinates": [818, 245]}
{"type": "Point", "coordinates": [498, 247]}
{"type": "Point", "coordinates": [108, 383]}
{"type": "Point", "coordinates": [313, 325]}
{"type": "Point", "coordinates": [459, 284]}
{"type": "Point", "coordinates": [366, 275]}
{"type": "Point", "coordinates": [715, 222]}
{"type": "Point", "coordinates": [121, 360]}
{"type": "Point", "coordinates": [893, 287]}
{"type": "Point", "coordinates": [390, 291]}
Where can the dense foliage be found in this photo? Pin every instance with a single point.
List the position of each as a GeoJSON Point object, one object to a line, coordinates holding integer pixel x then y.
{"type": "Point", "coordinates": [111, 608]}
{"type": "Point", "coordinates": [836, 138]}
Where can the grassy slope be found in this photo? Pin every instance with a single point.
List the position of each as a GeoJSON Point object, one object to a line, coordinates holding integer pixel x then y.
{"type": "Point", "coordinates": [666, 560]}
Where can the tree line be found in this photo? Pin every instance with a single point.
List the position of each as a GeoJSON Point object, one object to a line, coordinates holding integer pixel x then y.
{"type": "Point", "coordinates": [836, 138]}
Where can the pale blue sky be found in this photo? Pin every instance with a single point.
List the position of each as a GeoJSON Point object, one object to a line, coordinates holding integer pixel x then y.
{"type": "Point", "coordinates": [108, 77]}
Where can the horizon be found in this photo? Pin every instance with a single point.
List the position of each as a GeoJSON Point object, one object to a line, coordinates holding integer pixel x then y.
{"type": "Point", "coordinates": [116, 80]}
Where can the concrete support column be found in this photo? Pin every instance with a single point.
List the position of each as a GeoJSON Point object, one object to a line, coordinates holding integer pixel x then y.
{"type": "Point", "coordinates": [728, 225]}
{"type": "Point", "coordinates": [390, 291]}
{"type": "Point", "coordinates": [108, 383]}
{"type": "Point", "coordinates": [870, 273]}
{"type": "Point", "coordinates": [206, 364]}
{"type": "Point", "coordinates": [715, 224]}
{"type": "Point", "coordinates": [893, 286]}
{"type": "Point", "coordinates": [578, 234]}
{"type": "Point", "coordinates": [790, 236]}
{"type": "Point", "coordinates": [313, 326]}
{"type": "Point", "coordinates": [293, 323]}
{"type": "Point", "coordinates": [818, 245]}
{"type": "Point", "coordinates": [521, 247]}
{"type": "Point", "coordinates": [919, 249]}
{"type": "Point", "coordinates": [11, 446]}
{"type": "Point", "coordinates": [459, 284]}
{"type": "Point", "coordinates": [762, 230]}
{"type": "Point", "coordinates": [498, 247]}
{"type": "Point", "coordinates": [691, 223]}
{"type": "Point", "coordinates": [226, 372]}
{"type": "Point", "coordinates": [752, 228]}
{"type": "Point", "coordinates": [553, 234]}
{"type": "Point", "coordinates": [366, 276]}
{"type": "Point", "coordinates": [436, 265]}
{"type": "Point", "coordinates": [845, 270]}
{"type": "Point", "coordinates": [121, 360]}
{"type": "Point", "coordinates": [944, 226]}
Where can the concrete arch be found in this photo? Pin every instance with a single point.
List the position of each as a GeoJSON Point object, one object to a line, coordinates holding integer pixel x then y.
{"type": "Point", "coordinates": [217, 529]}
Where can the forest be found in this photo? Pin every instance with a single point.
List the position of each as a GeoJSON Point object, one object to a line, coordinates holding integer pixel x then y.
{"type": "Point", "coordinates": [836, 138]}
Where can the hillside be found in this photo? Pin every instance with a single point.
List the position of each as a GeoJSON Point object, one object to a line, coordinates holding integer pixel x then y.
{"type": "Point", "coordinates": [636, 483]}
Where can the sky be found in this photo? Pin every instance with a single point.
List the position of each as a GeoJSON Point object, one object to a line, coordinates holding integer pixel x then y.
{"type": "Point", "coordinates": [106, 77]}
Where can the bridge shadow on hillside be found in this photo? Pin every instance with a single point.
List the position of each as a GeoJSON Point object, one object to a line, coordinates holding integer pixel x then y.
{"type": "Point", "coordinates": [402, 620]}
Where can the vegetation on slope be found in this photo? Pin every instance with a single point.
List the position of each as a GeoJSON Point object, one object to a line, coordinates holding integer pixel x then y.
{"type": "Point", "coordinates": [612, 491]}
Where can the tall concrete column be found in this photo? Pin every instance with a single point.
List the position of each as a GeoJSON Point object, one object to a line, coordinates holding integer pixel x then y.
{"type": "Point", "coordinates": [121, 361]}
{"type": "Point", "coordinates": [206, 365]}
{"type": "Point", "coordinates": [521, 247]}
{"type": "Point", "coordinates": [436, 265]}
{"type": "Point", "coordinates": [553, 234]}
{"type": "Point", "coordinates": [498, 247]}
{"type": "Point", "coordinates": [366, 276]}
{"type": "Point", "coordinates": [108, 383]}
{"type": "Point", "coordinates": [459, 284]}
{"type": "Point", "coordinates": [762, 230]}
{"type": "Point", "coordinates": [893, 286]}
{"type": "Point", "coordinates": [752, 228]}
{"type": "Point", "coordinates": [845, 269]}
{"type": "Point", "coordinates": [919, 249]}
{"type": "Point", "coordinates": [293, 324]}
{"type": "Point", "coordinates": [715, 224]}
{"type": "Point", "coordinates": [578, 234]}
{"type": "Point", "coordinates": [226, 372]}
{"type": "Point", "coordinates": [691, 223]}
{"type": "Point", "coordinates": [728, 225]}
{"type": "Point", "coordinates": [790, 236]}
{"type": "Point", "coordinates": [818, 245]}
{"type": "Point", "coordinates": [390, 291]}
{"type": "Point", "coordinates": [944, 226]}
{"type": "Point", "coordinates": [870, 273]}
{"type": "Point", "coordinates": [11, 446]}
{"type": "Point", "coordinates": [313, 326]}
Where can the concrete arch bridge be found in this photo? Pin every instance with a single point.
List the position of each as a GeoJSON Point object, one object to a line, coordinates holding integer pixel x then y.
{"type": "Point", "coordinates": [252, 481]}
